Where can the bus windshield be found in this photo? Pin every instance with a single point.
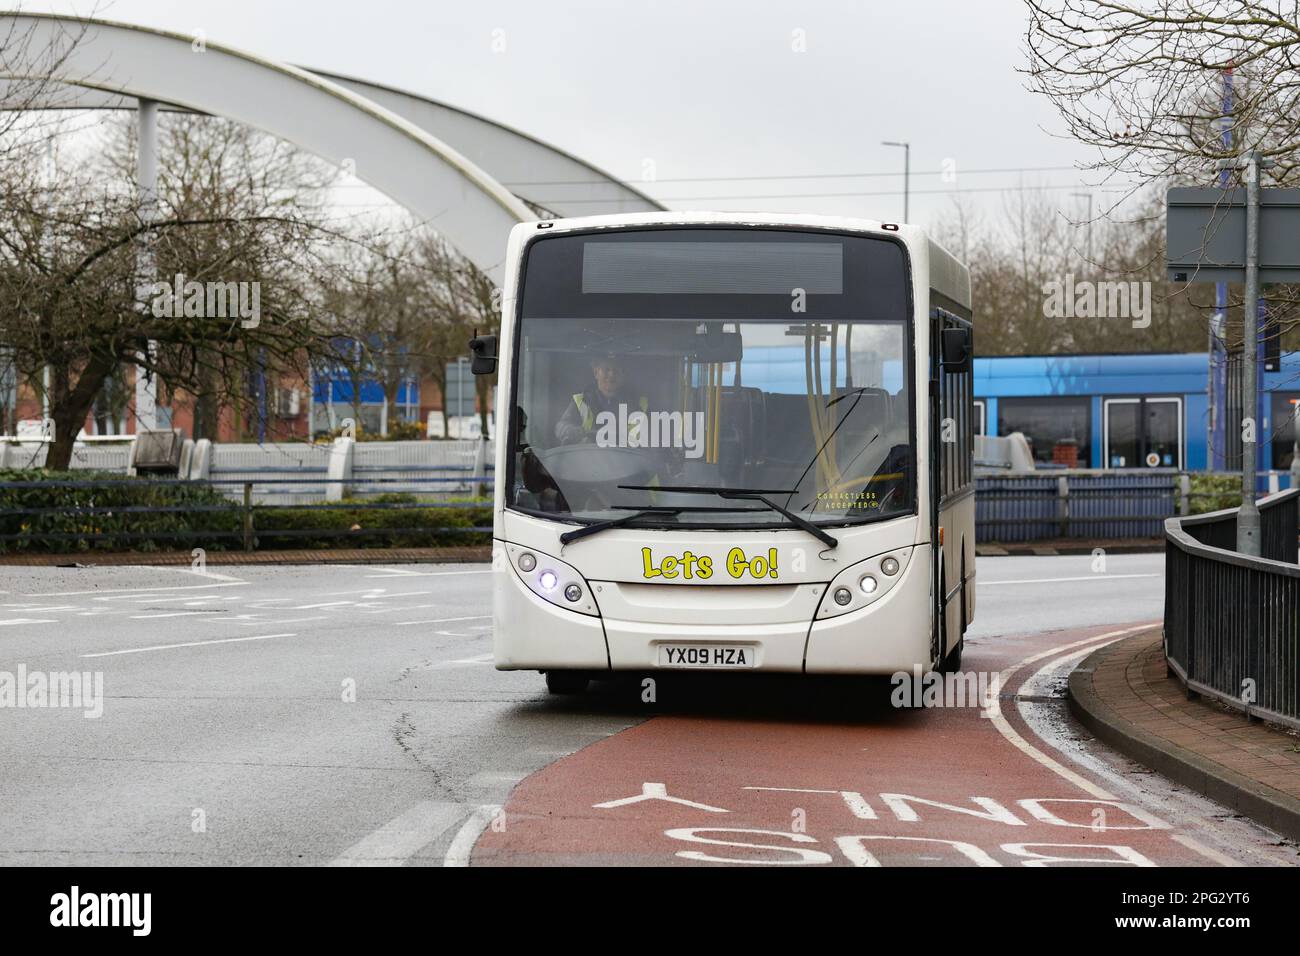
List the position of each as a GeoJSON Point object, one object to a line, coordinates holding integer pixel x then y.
{"type": "Point", "coordinates": [674, 371]}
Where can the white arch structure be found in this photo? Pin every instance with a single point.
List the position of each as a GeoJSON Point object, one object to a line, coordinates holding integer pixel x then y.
{"type": "Point", "coordinates": [416, 169]}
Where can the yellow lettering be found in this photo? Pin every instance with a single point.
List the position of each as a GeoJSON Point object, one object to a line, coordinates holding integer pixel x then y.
{"type": "Point", "coordinates": [706, 567]}
{"type": "Point", "coordinates": [736, 563]}
{"type": "Point", "coordinates": [650, 570]}
{"type": "Point", "coordinates": [669, 567]}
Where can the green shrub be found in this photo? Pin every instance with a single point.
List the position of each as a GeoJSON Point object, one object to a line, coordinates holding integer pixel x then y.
{"type": "Point", "coordinates": [156, 527]}
{"type": "Point", "coordinates": [96, 519]}
{"type": "Point", "coordinates": [1214, 492]}
{"type": "Point", "coordinates": [429, 524]}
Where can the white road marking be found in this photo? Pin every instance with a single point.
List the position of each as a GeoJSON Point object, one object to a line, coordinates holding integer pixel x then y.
{"type": "Point", "coordinates": [125, 591]}
{"type": "Point", "coordinates": [402, 837]}
{"type": "Point", "coordinates": [993, 711]}
{"type": "Point", "coordinates": [494, 778]}
{"type": "Point", "coordinates": [444, 620]}
{"type": "Point", "coordinates": [168, 647]}
{"type": "Point", "coordinates": [384, 592]}
{"type": "Point", "coordinates": [1205, 851]}
{"type": "Point", "coordinates": [28, 620]}
{"type": "Point", "coordinates": [287, 620]}
{"type": "Point", "coordinates": [150, 617]}
{"type": "Point", "coordinates": [1038, 685]}
{"type": "Point", "coordinates": [426, 574]}
{"type": "Point", "coordinates": [463, 844]}
{"type": "Point", "coordinates": [1082, 577]}
{"type": "Point", "coordinates": [202, 574]}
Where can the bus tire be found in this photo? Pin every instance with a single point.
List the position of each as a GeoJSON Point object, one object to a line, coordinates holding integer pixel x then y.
{"type": "Point", "coordinates": [567, 682]}
{"type": "Point", "coordinates": [952, 663]}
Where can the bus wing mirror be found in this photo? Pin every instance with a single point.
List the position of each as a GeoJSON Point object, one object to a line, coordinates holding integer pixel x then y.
{"type": "Point", "coordinates": [484, 350]}
{"type": "Point", "coordinates": [956, 350]}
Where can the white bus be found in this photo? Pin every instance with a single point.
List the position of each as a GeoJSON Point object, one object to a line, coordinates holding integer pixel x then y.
{"type": "Point", "coordinates": [732, 443]}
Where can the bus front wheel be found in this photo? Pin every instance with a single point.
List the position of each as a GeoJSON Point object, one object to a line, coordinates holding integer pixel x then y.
{"type": "Point", "coordinates": [566, 682]}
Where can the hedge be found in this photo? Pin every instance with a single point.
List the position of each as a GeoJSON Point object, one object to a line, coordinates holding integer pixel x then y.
{"type": "Point", "coordinates": [139, 514]}
{"type": "Point", "coordinates": [136, 513]}
{"type": "Point", "coordinates": [1214, 492]}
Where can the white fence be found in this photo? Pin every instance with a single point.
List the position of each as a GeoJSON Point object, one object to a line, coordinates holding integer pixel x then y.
{"type": "Point", "coordinates": [286, 473]}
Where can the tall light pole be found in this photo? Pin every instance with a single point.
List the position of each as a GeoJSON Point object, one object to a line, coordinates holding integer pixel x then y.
{"type": "Point", "coordinates": [1248, 528]}
{"type": "Point", "coordinates": [907, 174]}
{"type": "Point", "coordinates": [146, 171]}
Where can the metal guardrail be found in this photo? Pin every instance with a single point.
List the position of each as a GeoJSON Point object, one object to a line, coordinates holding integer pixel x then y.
{"type": "Point", "coordinates": [1074, 503]}
{"type": "Point", "coordinates": [249, 523]}
{"type": "Point", "coordinates": [1232, 622]}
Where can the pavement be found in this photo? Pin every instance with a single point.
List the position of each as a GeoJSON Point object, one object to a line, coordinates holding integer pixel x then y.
{"type": "Point", "coordinates": [349, 715]}
{"type": "Point", "coordinates": [1123, 694]}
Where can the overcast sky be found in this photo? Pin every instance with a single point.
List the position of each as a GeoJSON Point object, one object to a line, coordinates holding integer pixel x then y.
{"type": "Point", "coordinates": [702, 88]}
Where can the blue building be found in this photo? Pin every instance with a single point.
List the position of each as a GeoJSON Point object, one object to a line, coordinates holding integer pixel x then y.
{"type": "Point", "coordinates": [1123, 411]}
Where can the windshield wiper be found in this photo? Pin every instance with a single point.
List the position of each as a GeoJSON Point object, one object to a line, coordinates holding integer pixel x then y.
{"type": "Point", "coordinates": [598, 526]}
{"type": "Point", "coordinates": [744, 494]}
{"type": "Point", "coordinates": [639, 512]}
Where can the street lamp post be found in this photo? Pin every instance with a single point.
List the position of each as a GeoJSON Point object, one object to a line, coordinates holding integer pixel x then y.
{"type": "Point", "coordinates": [907, 174]}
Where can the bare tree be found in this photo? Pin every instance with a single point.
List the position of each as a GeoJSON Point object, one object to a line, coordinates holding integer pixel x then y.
{"type": "Point", "coordinates": [1153, 88]}
{"type": "Point", "coordinates": [233, 208]}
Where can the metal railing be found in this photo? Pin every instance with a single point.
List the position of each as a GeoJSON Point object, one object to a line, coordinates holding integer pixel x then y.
{"type": "Point", "coordinates": [1095, 503]}
{"type": "Point", "coordinates": [1232, 622]}
{"type": "Point", "coordinates": [240, 521]}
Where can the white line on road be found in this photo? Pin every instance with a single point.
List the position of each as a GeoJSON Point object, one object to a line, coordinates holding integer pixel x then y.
{"type": "Point", "coordinates": [427, 574]}
{"type": "Point", "coordinates": [1083, 577]}
{"type": "Point", "coordinates": [445, 620]}
{"type": "Point", "coordinates": [287, 620]}
{"type": "Point", "coordinates": [203, 574]}
{"type": "Point", "coordinates": [993, 710]}
{"type": "Point", "coordinates": [28, 620]}
{"type": "Point", "coordinates": [402, 837]}
{"type": "Point", "coordinates": [168, 647]}
{"type": "Point", "coordinates": [99, 591]}
{"type": "Point", "coordinates": [463, 845]}
{"type": "Point", "coordinates": [150, 617]}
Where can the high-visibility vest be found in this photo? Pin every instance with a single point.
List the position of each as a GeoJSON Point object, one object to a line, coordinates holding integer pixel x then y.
{"type": "Point", "coordinates": [589, 417]}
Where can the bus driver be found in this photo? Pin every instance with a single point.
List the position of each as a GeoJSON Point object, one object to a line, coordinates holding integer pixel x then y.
{"type": "Point", "coordinates": [579, 422]}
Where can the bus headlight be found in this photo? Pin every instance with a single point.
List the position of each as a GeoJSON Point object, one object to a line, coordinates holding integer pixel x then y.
{"type": "Point", "coordinates": [552, 580]}
{"type": "Point", "coordinates": [862, 583]}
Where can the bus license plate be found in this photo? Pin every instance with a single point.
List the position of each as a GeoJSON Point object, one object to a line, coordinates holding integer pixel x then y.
{"type": "Point", "coordinates": [707, 655]}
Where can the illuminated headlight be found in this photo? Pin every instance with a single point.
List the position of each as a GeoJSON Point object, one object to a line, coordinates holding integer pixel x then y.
{"type": "Point", "coordinates": [552, 580]}
{"type": "Point", "coordinates": [864, 583]}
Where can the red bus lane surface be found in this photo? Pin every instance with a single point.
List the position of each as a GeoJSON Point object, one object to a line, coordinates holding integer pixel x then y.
{"type": "Point", "coordinates": [970, 786]}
